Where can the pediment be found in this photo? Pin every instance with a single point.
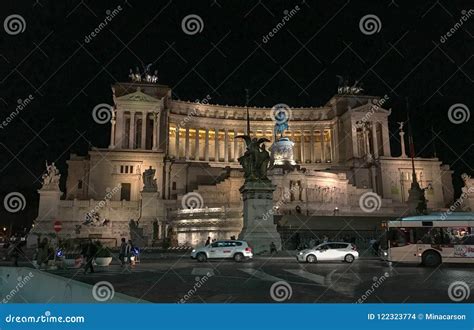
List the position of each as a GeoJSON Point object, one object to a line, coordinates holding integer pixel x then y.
{"type": "Point", "coordinates": [138, 96]}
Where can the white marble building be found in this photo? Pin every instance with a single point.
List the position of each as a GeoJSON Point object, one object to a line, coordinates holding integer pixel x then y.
{"type": "Point", "coordinates": [342, 150]}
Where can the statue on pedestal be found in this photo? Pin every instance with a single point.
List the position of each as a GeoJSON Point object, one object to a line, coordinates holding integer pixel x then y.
{"type": "Point", "coordinates": [51, 177]}
{"type": "Point", "coordinates": [149, 181]}
{"type": "Point", "coordinates": [255, 160]}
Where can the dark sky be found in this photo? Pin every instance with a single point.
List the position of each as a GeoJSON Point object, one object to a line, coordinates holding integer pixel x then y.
{"type": "Point", "coordinates": [67, 76]}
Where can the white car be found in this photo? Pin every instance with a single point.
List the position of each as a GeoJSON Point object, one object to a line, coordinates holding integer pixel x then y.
{"type": "Point", "coordinates": [237, 250]}
{"type": "Point", "coordinates": [329, 251]}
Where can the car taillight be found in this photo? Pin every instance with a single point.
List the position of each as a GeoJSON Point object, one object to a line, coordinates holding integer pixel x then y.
{"type": "Point", "coordinates": [248, 249]}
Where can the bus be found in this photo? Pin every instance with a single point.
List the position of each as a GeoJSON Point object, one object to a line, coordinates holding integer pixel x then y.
{"type": "Point", "coordinates": [431, 239]}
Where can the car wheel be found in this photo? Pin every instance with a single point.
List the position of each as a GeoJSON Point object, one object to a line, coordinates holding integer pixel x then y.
{"type": "Point", "coordinates": [238, 257]}
{"type": "Point", "coordinates": [431, 259]}
{"type": "Point", "coordinates": [201, 257]}
{"type": "Point", "coordinates": [311, 258]}
{"type": "Point", "coordinates": [349, 258]}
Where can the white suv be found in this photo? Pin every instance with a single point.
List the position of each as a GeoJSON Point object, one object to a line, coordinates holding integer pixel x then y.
{"type": "Point", "coordinates": [237, 250]}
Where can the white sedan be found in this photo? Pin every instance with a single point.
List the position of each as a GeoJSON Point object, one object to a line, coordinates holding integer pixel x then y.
{"type": "Point", "coordinates": [330, 251]}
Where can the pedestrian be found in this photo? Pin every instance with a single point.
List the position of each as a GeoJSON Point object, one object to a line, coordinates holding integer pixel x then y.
{"type": "Point", "coordinates": [90, 252]}
{"type": "Point", "coordinates": [325, 239]}
{"type": "Point", "coordinates": [129, 251]}
{"type": "Point", "coordinates": [208, 241]}
{"type": "Point", "coordinates": [43, 249]}
{"type": "Point", "coordinates": [273, 248]}
{"type": "Point", "coordinates": [122, 253]}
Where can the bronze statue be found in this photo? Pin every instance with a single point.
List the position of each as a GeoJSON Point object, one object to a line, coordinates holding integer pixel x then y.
{"type": "Point", "coordinates": [255, 159]}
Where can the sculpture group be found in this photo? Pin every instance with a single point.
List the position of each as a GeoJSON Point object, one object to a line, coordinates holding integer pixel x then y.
{"type": "Point", "coordinates": [255, 160]}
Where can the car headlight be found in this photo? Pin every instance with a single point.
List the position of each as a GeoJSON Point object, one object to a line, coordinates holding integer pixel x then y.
{"type": "Point", "coordinates": [193, 251]}
{"type": "Point", "coordinates": [301, 253]}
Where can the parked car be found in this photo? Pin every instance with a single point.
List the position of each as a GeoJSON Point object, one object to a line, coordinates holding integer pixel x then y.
{"type": "Point", "coordinates": [329, 251]}
{"type": "Point", "coordinates": [237, 250]}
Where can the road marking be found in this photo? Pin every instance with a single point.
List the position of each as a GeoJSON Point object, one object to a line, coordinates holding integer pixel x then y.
{"type": "Point", "coordinates": [260, 275]}
{"type": "Point", "coordinates": [309, 276]}
{"type": "Point", "coordinates": [203, 271]}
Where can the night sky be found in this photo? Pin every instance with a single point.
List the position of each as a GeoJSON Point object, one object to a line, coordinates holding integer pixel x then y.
{"type": "Point", "coordinates": [68, 76]}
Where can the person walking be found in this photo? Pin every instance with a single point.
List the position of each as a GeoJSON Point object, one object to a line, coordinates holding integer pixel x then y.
{"type": "Point", "coordinates": [273, 248]}
{"type": "Point", "coordinates": [208, 241]}
{"type": "Point", "coordinates": [129, 251]}
{"type": "Point", "coordinates": [91, 250]}
{"type": "Point", "coordinates": [42, 257]}
{"type": "Point", "coordinates": [122, 252]}
{"type": "Point", "coordinates": [16, 252]}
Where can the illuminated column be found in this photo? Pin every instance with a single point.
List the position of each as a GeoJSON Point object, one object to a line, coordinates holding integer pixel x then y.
{"type": "Point", "coordinates": [374, 139]}
{"type": "Point", "coordinates": [112, 131]}
{"type": "Point", "coordinates": [292, 133]}
{"type": "Point", "coordinates": [186, 144]}
{"type": "Point", "coordinates": [312, 156]}
{"type": "Point", "coordinates": [323, 152]}
{"type": "Point", "coordinates": [144, 115]}
{"type": "Point", "coordinates": [216, 145]}
{"type": "Point", "coordinates": [335, 138]}
{"type": "Point", "coordinates": [226, 145]}
{"type": "Point", "coordinates": [302, 147]}
{"type": "Point", "coordinates": [196, 155]}
{"type": "Point", "coordinates": [236, 146]}
{"type": "Point", "coordinates": [206, 146]}
{"type": "Point", "coordinates": [177, 141]}
{"type": "Point", "coordinates": [131, 136]}
{"type": "Point", "coordinates": [355, 142]}
{"type": "Point", "coordinates": [156, 130]}
{"type": "Point", "coordinates": [385, 140]}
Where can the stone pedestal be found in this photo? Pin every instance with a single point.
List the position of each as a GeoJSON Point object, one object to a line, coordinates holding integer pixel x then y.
{"type": "Point", "coordinates": [282, 152]}
{"type": "Point", "coordinates": [259, 229]}
{"type": "Point", "coordinates": [152, 209]}
{"type": "Point", "coordinates": [47, 213]}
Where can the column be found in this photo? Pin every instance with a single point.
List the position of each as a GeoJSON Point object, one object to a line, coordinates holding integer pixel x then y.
{"type": "Point", "coordinates": [355, 142]}
{"type": "Point", "coordinates": [206, 146]}
{"type": "Point", "coordinates": [186, 144]}
{"type": "Point", "coordinates": [335, 137]}
{"type": "Point", "coordinates": [156, 130]}
{"type": "Point", "coordinates": [216, 145]}
{"type": "Point", "coordinates": [176, 142]}
{"type": "Point", "coordinates": [144, 115]}
{"type": "Point", "coordinates": [112, 131]}
{"type": "Point", "coordinates": [385, 139]}
{"type": "Point", "coordinates": [236, 146]}
{"type": "Point", "coordinates": [131, 136]}
{"type": "Point", "coordinates": [196, 154]}
{"type": "Point", "coordinates": [323, 152]}
{"type": "Point", "coordinates": [331, 144]}
{"type": "Point", "coordinates": [374, 139]}
{"type": "Point", "coordinates": [312, 156]}
{"type": "Point", "coordinates": [226, 145]}
{"type": "Point", "coordinates": [302, 147]}
{"type": "Point", "coordinates": [292, 134]}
